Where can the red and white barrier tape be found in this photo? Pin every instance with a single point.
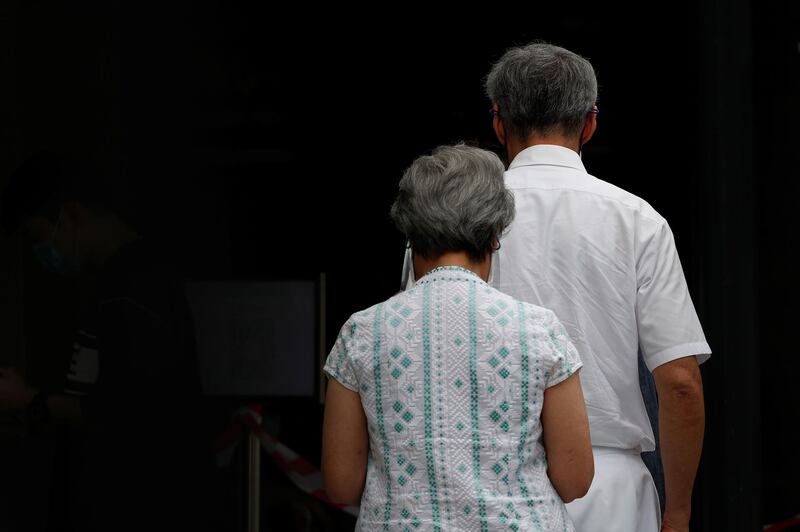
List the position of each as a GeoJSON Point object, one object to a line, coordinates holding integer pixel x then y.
{"type": "Point", "coordinates": [302, 473]}
{"type": "Point", "coordinates": [793, 523]}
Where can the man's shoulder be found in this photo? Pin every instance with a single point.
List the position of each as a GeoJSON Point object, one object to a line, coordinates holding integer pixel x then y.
{"type": "Point", "coordinates": [580, 184]}
{"type": "Point", "coordinates": [624, 198]}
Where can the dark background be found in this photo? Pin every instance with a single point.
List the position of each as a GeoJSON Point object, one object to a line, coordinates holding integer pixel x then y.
{"type": "Point", "coordinates": [267, 143]}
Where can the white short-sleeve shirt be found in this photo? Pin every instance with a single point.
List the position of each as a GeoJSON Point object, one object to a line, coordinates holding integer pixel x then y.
{"type": "Point", "coordinates": [452, 375]}
{"type": "Point", "coordinates": [605, 262]}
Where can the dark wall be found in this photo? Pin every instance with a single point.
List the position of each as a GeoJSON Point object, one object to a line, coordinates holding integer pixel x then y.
{"type": "Point", "coordinates": [777, 84]}
{"type": "Point", "coordinates": [261, 142]}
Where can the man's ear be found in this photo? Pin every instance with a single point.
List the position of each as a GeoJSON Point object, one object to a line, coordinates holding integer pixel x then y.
{"type": "Point", "coordinates": [497, 124]}
{"type": "Point", "coordinates": [589, 127]}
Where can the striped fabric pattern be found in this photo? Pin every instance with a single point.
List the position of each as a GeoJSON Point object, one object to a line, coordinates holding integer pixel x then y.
{"type": "Point", "coordinates": [451, 376]}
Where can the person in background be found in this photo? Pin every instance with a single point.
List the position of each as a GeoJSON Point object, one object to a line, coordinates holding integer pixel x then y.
{"type": "Point", "coordinates": [133, 385]}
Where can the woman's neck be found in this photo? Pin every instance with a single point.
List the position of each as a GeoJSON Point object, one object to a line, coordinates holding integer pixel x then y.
{"type": "Point", "coordinates": [452, 258]}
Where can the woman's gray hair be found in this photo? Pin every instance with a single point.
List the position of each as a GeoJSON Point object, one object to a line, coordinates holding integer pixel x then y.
{"type": "Point", "coordinates": [542, 88]}
{"type": "Point", "coordinates": [453, 200]}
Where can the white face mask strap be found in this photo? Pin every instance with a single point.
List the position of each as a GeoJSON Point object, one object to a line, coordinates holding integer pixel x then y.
{"type": "Point", "coordinates": [57, 225]}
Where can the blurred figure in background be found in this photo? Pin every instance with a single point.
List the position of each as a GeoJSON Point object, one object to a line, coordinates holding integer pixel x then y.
{"type": "Point", "coordinates": [133, 383]}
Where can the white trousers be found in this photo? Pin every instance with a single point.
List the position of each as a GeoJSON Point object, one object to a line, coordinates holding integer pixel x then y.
{"type": "Point", "coordinates": [622, 498]}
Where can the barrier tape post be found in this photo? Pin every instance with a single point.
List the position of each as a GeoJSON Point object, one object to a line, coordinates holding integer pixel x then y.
{"type": "Point", "coordinates": [254, 476]}
{"type": "Point", "coordinates": [247, 422]}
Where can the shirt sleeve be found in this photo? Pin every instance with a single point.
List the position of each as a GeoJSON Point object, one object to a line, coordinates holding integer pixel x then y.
{"type": "Point", "coordinates": [666, 318]}
{"type": "Point", "coordinates": [563, 359]}
{"type": "Point", "coordinates": [339, 365]}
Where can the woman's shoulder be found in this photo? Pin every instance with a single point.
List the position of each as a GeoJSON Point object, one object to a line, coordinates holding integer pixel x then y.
{"type": "Point", "coordinates": [399, 306]}
{"type": "Point", "coordinates": [538, 316]}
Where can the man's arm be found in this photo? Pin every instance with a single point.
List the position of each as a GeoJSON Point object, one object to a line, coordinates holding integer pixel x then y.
{"type": "Point", "coordinates": [681, 415]}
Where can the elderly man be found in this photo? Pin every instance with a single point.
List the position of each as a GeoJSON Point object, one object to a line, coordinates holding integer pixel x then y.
{"type": "Point", "coordinates": [605, 262]}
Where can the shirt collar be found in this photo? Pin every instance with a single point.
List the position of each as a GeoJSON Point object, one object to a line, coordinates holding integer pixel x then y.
{"type": "Point", "coordinates": [450, 273]}
{"type": "Point", "coordinates": [549, 155]}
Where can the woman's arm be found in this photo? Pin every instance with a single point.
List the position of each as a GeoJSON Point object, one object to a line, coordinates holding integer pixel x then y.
{"type": "Point", "coordinates": [565, 428]}
{"type": "Point", "coordinates": [345, 445]}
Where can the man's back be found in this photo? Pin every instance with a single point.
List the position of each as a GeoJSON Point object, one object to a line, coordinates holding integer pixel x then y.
{"type": "Point", "coordinates": [605, 262]}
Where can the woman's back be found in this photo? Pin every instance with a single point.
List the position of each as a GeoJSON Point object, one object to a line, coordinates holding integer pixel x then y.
{"type": "Point", "coordinates": [451, 375]}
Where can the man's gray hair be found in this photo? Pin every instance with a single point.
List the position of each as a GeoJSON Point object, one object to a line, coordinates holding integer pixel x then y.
{"type": "Point", "coordinates": [453, 200]}
{"type": "Point", "coordinates": [542, 88]}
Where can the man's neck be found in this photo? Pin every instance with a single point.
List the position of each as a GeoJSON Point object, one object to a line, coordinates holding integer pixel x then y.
{"type": "Point", "coordinates": [515, 146]}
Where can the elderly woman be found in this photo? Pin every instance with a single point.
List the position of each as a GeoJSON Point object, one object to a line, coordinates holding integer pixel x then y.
{"type": "Point", "coordinates": [452, 406]}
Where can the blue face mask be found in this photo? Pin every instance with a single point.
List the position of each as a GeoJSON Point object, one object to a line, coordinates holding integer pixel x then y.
{"type": "Point", "coordinates": [53, 260]}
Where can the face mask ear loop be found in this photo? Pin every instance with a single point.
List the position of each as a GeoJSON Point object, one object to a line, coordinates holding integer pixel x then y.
{"type": "Point", "coordinates": [76, 257]}
{"type": "Point", "coordinates": [52, 238]}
